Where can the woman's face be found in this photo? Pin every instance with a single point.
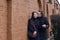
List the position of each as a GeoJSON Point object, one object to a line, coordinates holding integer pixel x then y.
{"type": "Point", "coordinates": [39, 14]}
{"type": "Point", "coordinates": [35, 15]}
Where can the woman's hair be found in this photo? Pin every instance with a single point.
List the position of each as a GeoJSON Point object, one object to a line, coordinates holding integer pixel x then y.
{"type": "Point", "coordinates": [32, 17]}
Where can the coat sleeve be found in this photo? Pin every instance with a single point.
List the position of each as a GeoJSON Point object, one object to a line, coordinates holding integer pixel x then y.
{"type": "Point", "coordinates": [30, 27]}
{"type": "Point", "coordinates": [46, 22]}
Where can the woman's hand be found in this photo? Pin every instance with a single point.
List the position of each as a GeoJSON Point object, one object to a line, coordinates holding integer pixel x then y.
{"type": "Point", "coordinates": [34, 33]}
{"type": "Point", "coordinates": [44, 25]}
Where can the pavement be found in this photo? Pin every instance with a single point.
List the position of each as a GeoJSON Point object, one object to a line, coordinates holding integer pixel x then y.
{"type": "Point", "coordinates": [51, 38]}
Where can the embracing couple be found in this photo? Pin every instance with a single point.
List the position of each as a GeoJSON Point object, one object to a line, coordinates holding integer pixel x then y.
{"type": "Point", "coordinates": [37, 26]}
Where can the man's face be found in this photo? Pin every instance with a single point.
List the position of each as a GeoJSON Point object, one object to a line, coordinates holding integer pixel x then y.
{"type": "Point", "coordinates": [39, 14]}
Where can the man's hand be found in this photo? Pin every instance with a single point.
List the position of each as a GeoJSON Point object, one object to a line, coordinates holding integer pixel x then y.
{"type": "Point", "coordinates": [44, 25]}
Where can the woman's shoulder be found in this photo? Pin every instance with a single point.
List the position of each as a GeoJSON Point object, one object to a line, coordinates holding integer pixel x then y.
{"type": "Point", "coordinates": [29, 20]}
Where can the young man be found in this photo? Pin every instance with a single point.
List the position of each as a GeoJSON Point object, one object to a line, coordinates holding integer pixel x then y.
{"type": "Point", "coordinates": [44, 25]}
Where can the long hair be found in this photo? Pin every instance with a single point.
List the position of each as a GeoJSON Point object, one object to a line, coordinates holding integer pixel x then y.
{"type": "Point", "coordinates": [32, 17]}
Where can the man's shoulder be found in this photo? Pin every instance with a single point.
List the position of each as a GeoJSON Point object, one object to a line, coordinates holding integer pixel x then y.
{"type": "Point", "coordinates": [45, 17]}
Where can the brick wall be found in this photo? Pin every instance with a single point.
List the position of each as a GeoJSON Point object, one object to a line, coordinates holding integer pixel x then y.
{"type": "Point", "coordinates": [3, 20]}
{"type": "Point", "coordinates": [21, 10]}
{"type": "Point", "coordinates": [14, 15]}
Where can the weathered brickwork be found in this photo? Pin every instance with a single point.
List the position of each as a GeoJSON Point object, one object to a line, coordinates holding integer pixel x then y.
{"type": "Point", "coordinates": [14, 15]}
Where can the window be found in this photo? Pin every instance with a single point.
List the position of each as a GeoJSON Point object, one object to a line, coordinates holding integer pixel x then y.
{"type": "Point", "coordinates": [56, 5]}
{"type": "Point", "coordinates": [52, 11]}
{"type": "Point", "coordinates": [39, 3]}
{"type": "Point", "coordinates": [47, 8]}
{"type": "Point", "coordinates": [50, 1]}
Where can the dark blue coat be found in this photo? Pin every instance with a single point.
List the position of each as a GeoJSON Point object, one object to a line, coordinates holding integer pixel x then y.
{"type": "Point", "coordinates": [31, 29]}
{"type": "Point", "coordinates": [43, 31]}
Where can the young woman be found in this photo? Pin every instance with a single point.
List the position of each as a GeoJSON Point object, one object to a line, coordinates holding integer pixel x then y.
{"type": "Point", "coordinates": [33, 25]}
